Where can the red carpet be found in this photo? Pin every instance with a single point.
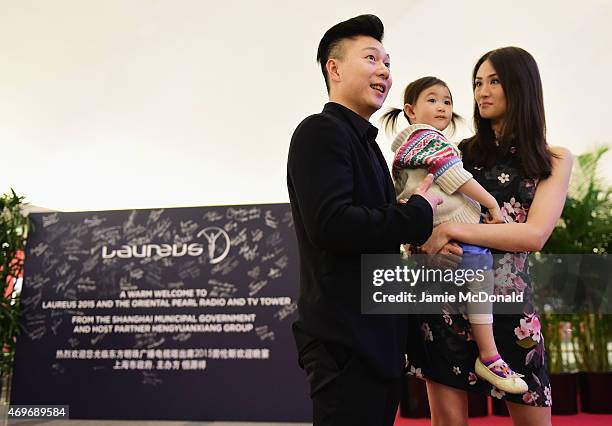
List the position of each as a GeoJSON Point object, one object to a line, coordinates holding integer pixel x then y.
{"type": "Point", "coordinates": [581, 419]}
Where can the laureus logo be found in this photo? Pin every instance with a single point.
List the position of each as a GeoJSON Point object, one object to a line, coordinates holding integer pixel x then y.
{"type": "Point", "coordinates": [150, 250]}
{"type": "Point", "coordinates": [218, 243]}
{"type": "Point", "coordinates": [217, 240]}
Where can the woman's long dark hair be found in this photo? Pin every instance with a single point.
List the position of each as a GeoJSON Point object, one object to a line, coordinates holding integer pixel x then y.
{"type": "Point", "coordinates": [411, 94]}
{"type": "Point", "coordinates": [524, 121]}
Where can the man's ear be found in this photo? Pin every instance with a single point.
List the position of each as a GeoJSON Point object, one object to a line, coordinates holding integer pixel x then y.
{"type": "Point", "coordinates": [409, 111]}
{"type": "Point", "coordinates": [333, 70]}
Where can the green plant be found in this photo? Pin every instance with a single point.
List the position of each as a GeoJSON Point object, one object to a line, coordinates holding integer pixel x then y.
{"type": "Point", "coordinates": [579, 341]}
{"type": "Point", "coordinates": [586, 222]}
{"type": "Point", "coordinates": [13, 233]}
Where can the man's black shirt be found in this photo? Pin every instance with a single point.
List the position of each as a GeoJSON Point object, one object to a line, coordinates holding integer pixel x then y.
{"type": "Point", "coordinates": [343, 205]}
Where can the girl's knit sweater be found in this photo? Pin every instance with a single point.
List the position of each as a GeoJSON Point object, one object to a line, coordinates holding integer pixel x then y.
{"type": "Point", "coordinates": [421, 149]}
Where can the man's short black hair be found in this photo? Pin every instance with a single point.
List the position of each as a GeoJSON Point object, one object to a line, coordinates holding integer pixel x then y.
{"type": "Point", "coordinates": [366, 25]}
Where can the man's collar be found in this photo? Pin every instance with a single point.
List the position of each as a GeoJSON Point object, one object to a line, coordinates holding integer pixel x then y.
{"type": "Point", "coordinates": [364, 129]}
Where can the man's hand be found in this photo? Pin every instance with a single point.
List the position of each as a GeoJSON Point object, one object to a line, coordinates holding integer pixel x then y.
{"type": "Point", "coordinates": [434, 200]}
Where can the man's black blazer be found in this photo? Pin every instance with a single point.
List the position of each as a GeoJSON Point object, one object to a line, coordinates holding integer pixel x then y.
{"type": "Point", "coordinates": [343, 205]}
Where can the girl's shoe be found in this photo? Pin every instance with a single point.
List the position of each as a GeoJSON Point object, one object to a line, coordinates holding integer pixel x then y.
{"type": "Point", "coordinates": [501, 376]}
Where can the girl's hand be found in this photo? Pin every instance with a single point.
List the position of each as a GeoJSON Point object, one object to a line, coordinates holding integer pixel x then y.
{"type": "Point", "coordinates": [494, 216]}
{"type": "Point", "coordinates": [438, 239]}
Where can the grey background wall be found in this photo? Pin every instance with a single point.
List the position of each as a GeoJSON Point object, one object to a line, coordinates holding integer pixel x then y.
{"type": "Point", "coordinates": [110, 104]}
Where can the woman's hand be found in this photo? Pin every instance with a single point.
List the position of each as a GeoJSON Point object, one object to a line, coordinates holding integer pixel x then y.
{"type": "Point", "coordinates": [450, 256]}
{"type": "Point", "coordinates": [438, 239]}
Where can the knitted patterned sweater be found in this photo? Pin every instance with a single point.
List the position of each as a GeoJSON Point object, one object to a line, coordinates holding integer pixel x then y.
{"type": "Point", "coordinates": [421, 149]}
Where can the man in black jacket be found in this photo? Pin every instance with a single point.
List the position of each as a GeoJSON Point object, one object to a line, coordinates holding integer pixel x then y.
{"type": "Point", "coordinates": [343, 205]}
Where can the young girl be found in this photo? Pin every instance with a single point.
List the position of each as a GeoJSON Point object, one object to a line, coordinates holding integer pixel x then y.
{"type": "Point", "coordinates": [420, 149]}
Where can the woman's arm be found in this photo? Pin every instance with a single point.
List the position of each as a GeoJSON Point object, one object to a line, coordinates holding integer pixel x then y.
{"type": "Point", "coordinates": [514, 237]}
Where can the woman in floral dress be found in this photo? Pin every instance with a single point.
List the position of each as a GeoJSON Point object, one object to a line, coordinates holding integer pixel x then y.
{"type": "Point", "coordinates": [510, 158]}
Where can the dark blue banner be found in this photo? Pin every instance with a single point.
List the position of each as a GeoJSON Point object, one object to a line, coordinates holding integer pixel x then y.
{"type": "Point", "coordinates": [169, 314]}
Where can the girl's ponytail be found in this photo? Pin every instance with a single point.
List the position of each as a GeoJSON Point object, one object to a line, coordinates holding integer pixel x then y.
{"type": "Point", "coordinates": [389, 119]}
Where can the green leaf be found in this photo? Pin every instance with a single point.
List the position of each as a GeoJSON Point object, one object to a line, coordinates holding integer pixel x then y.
{"type": "Point", "coordinates": [526, 343]}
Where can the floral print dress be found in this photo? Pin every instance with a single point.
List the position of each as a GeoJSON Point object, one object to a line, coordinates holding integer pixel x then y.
{"type": "Point", "coordinates": [444, 350]}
